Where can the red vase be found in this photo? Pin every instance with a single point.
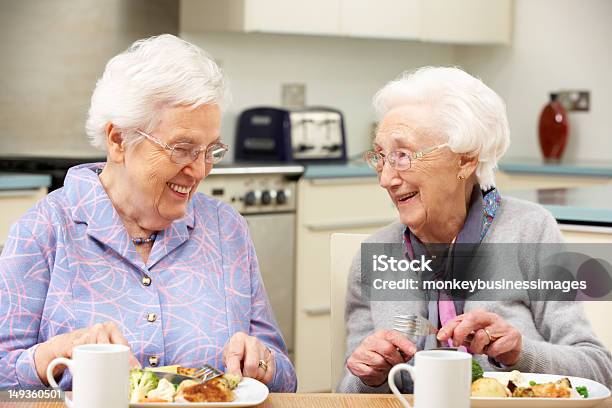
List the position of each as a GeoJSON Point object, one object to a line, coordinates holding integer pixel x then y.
{"type": "Point", "coordinates": [553, 129]}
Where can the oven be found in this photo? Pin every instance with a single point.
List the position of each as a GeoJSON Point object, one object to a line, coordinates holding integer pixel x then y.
{"type": "Point", "coordinates": [266, 197]}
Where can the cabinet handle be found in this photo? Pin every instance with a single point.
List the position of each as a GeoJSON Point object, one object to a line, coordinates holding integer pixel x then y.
{"type": "Point", "coordinates": [349, 224]}
{"type": "Point", "coordinates": [317, 311]}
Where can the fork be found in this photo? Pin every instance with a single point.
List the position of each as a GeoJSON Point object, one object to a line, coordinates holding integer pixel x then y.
{"type": "Point", "coordinates": [416, 326]}
{"type": "Point", "coordinates": [413, 325]}
{"type": "Point", "coordinates": [203, 374]}
{"type": "Point", "coordinates": [207, 373]}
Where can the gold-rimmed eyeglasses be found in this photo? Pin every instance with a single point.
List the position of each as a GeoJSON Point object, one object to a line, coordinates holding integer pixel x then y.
{"type": "Point", "coordinates": [399, 160]}
{"type": "Point", "coordinates": [185, 153]}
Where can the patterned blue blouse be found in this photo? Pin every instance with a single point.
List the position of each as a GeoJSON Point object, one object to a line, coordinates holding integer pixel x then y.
{"type": "Point", "coordinates": [69, 263]}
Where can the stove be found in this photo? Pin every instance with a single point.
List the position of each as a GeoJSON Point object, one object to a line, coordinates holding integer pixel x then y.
{"type": "Point", "coordinates": [266, 196]}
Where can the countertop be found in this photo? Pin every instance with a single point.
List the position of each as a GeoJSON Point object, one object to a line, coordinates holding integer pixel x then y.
{"type": "Point", "coordinates": [509, 165]}
{"type": "Point", "coordinates": [19, 181]}
{"type": "Point", "coordinates": [581, 205]}
{"type": "Point", "coordinates": [590, 168]}
{"type": "Point", "coordinates": [354, 169]}
{"type": "Point", "coordinates": [585, 205]}
{"type": "Point", "coordinates": [529, 166]}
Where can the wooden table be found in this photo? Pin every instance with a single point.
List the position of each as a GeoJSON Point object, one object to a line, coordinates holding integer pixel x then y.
{"type": "Point", "coordinates": [299, 400]}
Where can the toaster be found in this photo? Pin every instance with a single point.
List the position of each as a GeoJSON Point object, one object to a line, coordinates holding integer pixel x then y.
{"type": "Point", "coordinates": [314, 134]}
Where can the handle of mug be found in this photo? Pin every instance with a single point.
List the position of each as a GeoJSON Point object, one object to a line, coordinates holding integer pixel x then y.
{"type": "Point", "coordinates": [391, 379]}
{"type": "Point", "coordinates": [58, 361]}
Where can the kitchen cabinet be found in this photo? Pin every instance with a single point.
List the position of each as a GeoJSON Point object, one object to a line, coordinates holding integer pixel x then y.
{"type": "Point", "coordinates": [467, 21]}
{"type": "Point", "coordinates": [315, 17]}
{"type": "Point", "coordinates": [13, 204]}
{"type": "Point", "coordinates": [394, 19]}
{"type": "Point", "coordinates": [586, 233]}
{"type": "Point", "coordinates": [451, 21]}
{"type": "Point", "coordinates": [326, 206]}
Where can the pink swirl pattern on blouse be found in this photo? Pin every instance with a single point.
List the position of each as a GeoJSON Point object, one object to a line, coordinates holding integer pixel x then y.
{"type": "Point", "coordinates": [69, 263]}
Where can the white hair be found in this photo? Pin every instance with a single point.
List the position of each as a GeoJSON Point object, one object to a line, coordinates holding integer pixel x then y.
{"type": "Point", "coordinates": [468, 112]}
{"type": "Point", "coordinates": [152, 74]}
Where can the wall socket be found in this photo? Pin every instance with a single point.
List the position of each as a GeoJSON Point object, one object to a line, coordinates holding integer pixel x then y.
{"type": "Point", "coordinates": [574, 101]}
{"type": "Point", "coordinates": [293, 96]}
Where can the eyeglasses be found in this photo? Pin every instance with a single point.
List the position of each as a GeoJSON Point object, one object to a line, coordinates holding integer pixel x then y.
{"type": "Point", "coordinates": [399, 160]}
{"type": "Point", "coordinates": [185, 153]}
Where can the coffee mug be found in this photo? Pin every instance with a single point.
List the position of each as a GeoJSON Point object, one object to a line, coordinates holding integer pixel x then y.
{"type": "Point", "coordinates": [442, 379]}
{"type": "Point", "coordinates": [100, 376]}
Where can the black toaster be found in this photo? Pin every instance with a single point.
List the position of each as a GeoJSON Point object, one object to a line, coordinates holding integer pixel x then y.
{"type": "Point", "coordinates": [267, 134]}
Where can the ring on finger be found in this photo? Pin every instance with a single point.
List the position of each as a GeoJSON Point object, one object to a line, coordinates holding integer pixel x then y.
{"type": "Point", "coordinates": [489, 336]}
{"type": "Point", "coordinates": [263, 365]}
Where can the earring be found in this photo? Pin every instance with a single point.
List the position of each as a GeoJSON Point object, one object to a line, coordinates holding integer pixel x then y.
{"type": "Point", "coordinates": [460, 177]}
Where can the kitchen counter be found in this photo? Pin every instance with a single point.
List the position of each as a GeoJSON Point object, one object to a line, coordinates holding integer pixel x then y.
{"type": "Point", "coordinates": [18, 181]}
{"type": "Point", "coordinates": [582, 205]}
{"type": "Point", "coordinates": [508, 165]}
{"type": "Point", "coordinates": [564, 167]}
{"type": "Point", "coordinates": [288, 169]}
{"type": "Point", "coordinates": [356, 169]}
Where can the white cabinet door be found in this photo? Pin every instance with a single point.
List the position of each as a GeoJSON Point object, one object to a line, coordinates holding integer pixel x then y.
{"type": "Point", "coordinates": [13, 204]}
{"type": "Point", "coordinates": [397, 19]}
{"type": "Point", "coordinates": [318, 17]}
{"type": "Point", "coordinates": [467, 21]}
{"type": "Point", "coordinates": [450, 21]}
{"type": "Point", "coordinates": [326, 206]}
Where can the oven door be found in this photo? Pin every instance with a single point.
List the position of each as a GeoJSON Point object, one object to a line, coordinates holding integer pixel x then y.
{"type": "Point", "coordinates": [274, 239]}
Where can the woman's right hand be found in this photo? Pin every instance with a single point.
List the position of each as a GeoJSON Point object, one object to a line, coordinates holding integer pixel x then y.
{"type": "Point", "coordinates": [377, 353]}
{"type": "Point", "coordinates": [62, 345]}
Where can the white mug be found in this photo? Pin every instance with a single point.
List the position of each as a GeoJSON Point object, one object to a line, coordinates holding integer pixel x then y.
{"type": "Point", "coordinates": [100, 376]}
{"type": "Point", "coordinates": [442, 379]}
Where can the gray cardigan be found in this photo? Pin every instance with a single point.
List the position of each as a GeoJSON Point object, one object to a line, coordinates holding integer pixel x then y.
{"type": "Point", "coordinates": [557, 338]}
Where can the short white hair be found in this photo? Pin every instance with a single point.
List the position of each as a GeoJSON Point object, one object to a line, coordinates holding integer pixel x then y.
{"type": "Point", "coordinates": [152, 74]}
{"type": "Point", "coordinates": [468, 112]}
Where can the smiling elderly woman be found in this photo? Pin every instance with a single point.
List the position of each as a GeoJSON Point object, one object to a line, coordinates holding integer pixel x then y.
{"type": "Point", "coordinates": [127, 251]}
{"type": "Point", "coordinates": [438, 143]}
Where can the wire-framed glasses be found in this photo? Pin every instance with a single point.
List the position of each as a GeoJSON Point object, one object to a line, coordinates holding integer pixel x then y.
{"type": "Point", "coordinates": [185, 153]}
{"type": "Point", "coordinates": [399, 160]}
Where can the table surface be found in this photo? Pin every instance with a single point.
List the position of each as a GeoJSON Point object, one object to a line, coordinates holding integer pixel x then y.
{"type": "Point", "coordinates": [299, 400]}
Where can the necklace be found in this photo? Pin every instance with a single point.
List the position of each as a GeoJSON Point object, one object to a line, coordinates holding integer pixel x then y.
{"type": "Point", "coordinates": [140, 241]}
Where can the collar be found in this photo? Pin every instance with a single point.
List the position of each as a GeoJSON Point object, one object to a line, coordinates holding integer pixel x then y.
{"type": "Point", "coordinates": [91, 205]}
{"type": "Point", "coordinates": [481, 212]}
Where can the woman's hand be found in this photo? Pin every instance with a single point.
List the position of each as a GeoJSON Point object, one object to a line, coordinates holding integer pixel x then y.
{"type": "Point", "coordinates": [62, 345]}
{"type": "Point", "coordinates": [493, 336]}
{"type": "Point", "coordinates": [247, 356]}
{"type": "Point", "coordinates": [377, 353]}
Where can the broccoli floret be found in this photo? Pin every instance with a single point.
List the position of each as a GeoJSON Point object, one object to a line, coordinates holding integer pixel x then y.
{"type": "Point", "coordinates": [583, 391]}
{"type": "Point", "coordinates": [476, 370]}
{"type": "Point", "coordinates": [141, 382]}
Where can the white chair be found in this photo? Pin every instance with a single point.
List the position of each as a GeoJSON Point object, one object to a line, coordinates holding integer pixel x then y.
{"type": "Point", "coordinates": [343, 248]}
{"type": "Point", "coordinates": [598, 313]}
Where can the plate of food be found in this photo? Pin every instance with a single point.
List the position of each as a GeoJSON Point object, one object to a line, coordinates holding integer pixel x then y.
{"type": "Point", "coordinates": [516, 389]}
{"type": "Point", "coordinates": [149, 389]}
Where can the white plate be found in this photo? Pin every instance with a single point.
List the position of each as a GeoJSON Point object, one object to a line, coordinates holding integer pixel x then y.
{"type": "Point", "coordinates": [248, 393]}
{"type": "Point", "coordinates": [597, 393]}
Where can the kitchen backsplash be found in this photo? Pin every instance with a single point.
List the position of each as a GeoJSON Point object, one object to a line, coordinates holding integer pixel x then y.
{"type": "Point", "coordinates": [52, 54]}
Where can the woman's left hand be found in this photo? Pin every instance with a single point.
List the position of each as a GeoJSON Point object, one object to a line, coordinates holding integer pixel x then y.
{"type": "Point", "coordinates": [247, 356]}
{"type": "Point", "coordinates": [493, 336]}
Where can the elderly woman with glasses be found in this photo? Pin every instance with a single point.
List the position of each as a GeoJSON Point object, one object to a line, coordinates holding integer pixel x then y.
{"type": "Point", "coordinates": [441, 135]}
{"type": "Point", "coordinates": [128, 252]}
